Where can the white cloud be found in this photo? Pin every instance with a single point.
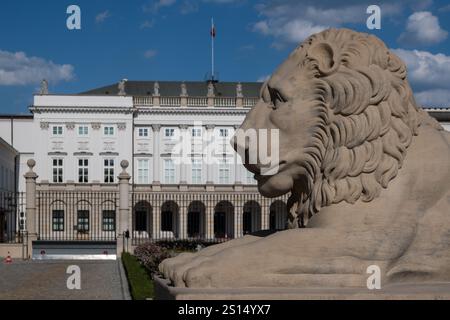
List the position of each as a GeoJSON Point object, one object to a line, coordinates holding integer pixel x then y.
{"type": "Point", "coordinates": [429, 75]}
{"type": "Point", "coordinates": [423, 29]}
{"type": "Point", "coordinates": [150, 53]}
{"type": "Point", "coordinates": [16, 68]}
{"type": "Point", "coordinates": [434, 98]}
{"type": "Point", "coordinates": [263, 78]}
{"type": "Point", "coordinates": [426, 70]}
{"type": "Point", "coordinates": [222, 1]}
{"type": "Point", "coordinates": [155, 5]}
{"type": "Point", "coordinates": [289, 31]}
{"type": "Point", "coordinates": [147, 24]}
{"type": "Point", "coordinates": [189, 6]}
{"type": "Point", "coordinates": [102, 16]}
{"type": "Point", "coordinates": [291, 21]}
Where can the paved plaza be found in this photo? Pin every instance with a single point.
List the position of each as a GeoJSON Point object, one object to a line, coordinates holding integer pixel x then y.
{"type": "Point", "coordinates": [31, 280]}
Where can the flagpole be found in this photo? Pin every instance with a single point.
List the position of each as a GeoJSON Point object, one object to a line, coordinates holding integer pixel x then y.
{"type": "Point", "coordinates": [212, 49]}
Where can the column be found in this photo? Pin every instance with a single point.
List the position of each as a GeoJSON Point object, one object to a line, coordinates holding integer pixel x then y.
{"type": "Point", "coordinates": [183, 222]}
{"type": "Point", "coordinates": [238, 232]}
{"type": "Point", "coordinates": [156, 155]}
{"type": "Point", "coordinates": [209, 221]}
{"type": "Point", "coordinates": [210, 156]}
{"type": "Point", "coordinates": [123, 225]}
{"type": "Point", "coordinates": [30, 187]}
{"type": "Point", "coordinates": [265, 214]}
{"type": "Point", "coordinates": [156, 232]}
{"type": "Point", "coordinates": [237, 170]}
{"type": "Point", "coordinates": [184, 153]}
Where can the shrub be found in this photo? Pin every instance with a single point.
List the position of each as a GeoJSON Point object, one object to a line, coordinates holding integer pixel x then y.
{"type": "Point", "coordinates": [150, 255]}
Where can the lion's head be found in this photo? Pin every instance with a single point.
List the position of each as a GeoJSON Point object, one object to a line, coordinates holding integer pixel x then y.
{"type": "Point", "coordinates": [346, 116]}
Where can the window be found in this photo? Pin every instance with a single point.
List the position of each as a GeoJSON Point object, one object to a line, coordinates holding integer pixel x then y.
{"type": "Point", "coordinates": [143, 132]}
{"type": "Point", "coordinates": [166, 221]}
{"type": "Point", "coordinates": [143, 171]}
{"type": "Point", "coordinates": [58, 220]}
{"type": "Point", "coordinates": [83, 131]}
{"type": "Point", "coordinates": [247, 222]}
{"type": "Point", "coordinates": [250, 177]}
{"type": "Point", "coordinates": [196, 171]}
{"type": "Point", "coordinates": [108, 170]}
{"type": "Point", "coordinates": [196, 132]}
{"type": "Point", "coordinates": [83, 170]}
{"type": "Point", "coordinates": [83, 220]}
{"type": "Point", "coordinates": [57, 130]}
{"type": "Point", "coordinates": [57, 168]}
{"type": "Point", "coordinates": [109, 220]}
{"type": "Point", "coordinates": [223, 133]}
{"type": "Point", "coordinates": [169, 171]}
{"type": "Point", "coordinates": [141, 220]}
{"type": "Point", "coordinates": [2, 186]}
{"type": "Point", "coordinates": [224, 172]}
{"type": "Point", "coordinates": [169, 132]}
{"type": "Point", "coordinates": [108, 131]}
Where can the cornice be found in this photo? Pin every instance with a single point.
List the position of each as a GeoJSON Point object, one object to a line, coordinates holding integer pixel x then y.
{"type": "Point", "coordinates": [125, 110]}
{"type": "Point", "coordinates": [193, 111]}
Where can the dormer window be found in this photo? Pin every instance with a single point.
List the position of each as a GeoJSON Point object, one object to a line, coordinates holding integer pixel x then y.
{"type": "Point", "coordinates": [169, 132]}
{"type": "Point", "coordinates": [83, 131]}
{"type": "Point", "coordinates": [223, 133]}
{"type": "Point", "coordinates": [196, 132]}
{"type": "Point", "coordinates": [57, 131]}
{"type": "Point", "coordinates": [108, 131]}
{"type": "Point", "coordinates": [143, 132]}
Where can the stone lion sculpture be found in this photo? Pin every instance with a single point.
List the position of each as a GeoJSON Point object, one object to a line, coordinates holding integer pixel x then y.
{"type": "Point", "coordinates": [368, 172]}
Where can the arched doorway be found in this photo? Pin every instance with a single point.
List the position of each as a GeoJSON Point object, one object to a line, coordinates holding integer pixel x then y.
{"type": "Point", "coordinates": [278, 215]}
{"type": "Point", "coordinates": [169, 220]}
{"type": "Point", "coordinates": [224, 220]}
{"type": "Point", "coordinates": [143, 220]}
{"type": "Point", "coordinates": [196, 220]}
{"type": "Point", "coordinates": [251, 220]}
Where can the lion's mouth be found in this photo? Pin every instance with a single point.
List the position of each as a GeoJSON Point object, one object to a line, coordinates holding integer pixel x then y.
{"type": "Point", "coordinates": [259, 170]}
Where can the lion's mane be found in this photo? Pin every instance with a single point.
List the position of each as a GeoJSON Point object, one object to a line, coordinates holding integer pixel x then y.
{"type": "Point", "coordinates": [366, 120]}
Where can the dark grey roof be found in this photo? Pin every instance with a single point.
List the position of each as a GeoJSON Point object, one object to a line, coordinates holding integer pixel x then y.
{"type": "Point", "coordinates": [440, 115]}
{"type": "Point", "coordinates": [16, 116]}
{"type": "Point", "coordinates": [173, 88]}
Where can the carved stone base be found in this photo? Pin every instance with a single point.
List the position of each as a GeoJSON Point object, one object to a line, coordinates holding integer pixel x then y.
{"type": "Point", "coordinates": [428, 291]}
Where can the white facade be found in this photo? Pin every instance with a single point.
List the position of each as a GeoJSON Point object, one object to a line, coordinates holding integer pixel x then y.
{"type": "Point", "coordinates": [81, 139]}
{"type": "Point", "coordinates": [7, 167]}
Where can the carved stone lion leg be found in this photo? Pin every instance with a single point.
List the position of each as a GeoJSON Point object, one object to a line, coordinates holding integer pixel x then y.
{"type": "Point", "coordinates": [428, 257]}
{"type": "Point", "coordinates": [280, 259]}
{"type": "Point", "coordinates": [169, 266]}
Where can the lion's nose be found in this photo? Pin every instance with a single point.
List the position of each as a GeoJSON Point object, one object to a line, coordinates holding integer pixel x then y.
{"type": "Point", "coordinates": [234, 143]}
{"type": "Point", "coordinates": [240, 144]}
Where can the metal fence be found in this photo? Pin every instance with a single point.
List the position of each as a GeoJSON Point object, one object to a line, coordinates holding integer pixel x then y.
{"type": "Point", "coordinates": [77, 216]}
{"type": "Point", "coordinates": [209, 217]}
{"type": "Point", "coordinates": [12, 217]}
{"type": "Point", "coordinates": [157, 216]}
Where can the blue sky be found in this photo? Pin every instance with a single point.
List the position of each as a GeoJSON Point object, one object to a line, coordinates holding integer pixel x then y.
{"type": "Point", "coordinates": [169, 40]}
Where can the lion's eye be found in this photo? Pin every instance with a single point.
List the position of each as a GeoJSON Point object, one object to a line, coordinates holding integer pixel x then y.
{"type": "Point", "coordinates": [276, 98]}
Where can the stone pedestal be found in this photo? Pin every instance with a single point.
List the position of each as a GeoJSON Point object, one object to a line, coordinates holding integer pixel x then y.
{"type": "Point", "coordinates": [427, 291]}
{"type": "Point", "coordinates": [31, 217]}
{"type": "Point", "coordinates": [124, 209]}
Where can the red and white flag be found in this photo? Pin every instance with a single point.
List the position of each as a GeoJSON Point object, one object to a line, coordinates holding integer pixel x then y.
{"type": "Point", "coordinates": [213, 29]}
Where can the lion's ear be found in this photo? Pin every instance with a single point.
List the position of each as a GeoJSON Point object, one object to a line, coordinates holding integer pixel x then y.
{"type": "Point", "coordinates": [326, 57]}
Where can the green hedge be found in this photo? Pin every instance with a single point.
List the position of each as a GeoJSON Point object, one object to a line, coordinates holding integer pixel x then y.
{"type": "Point", "coordinates": [140, 282]}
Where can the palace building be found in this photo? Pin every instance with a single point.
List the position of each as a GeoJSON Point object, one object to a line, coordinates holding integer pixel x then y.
{"type": "Point", "coordinates": [181, 179]}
